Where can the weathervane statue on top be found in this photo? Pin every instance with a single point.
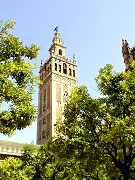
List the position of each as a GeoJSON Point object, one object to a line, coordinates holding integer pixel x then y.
{"type": "Point", "coordinates": [56, 29]}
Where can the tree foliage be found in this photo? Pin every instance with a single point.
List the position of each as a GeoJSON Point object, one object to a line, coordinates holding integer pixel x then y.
{"type": "Point", "coordinates": [96, 140]}
{"type": "Point", "coordinates": [12, 169]}
{"type": "Point", "coordinates": [102, 130]}
{"type": "Point", "coordinates": [16, 81]}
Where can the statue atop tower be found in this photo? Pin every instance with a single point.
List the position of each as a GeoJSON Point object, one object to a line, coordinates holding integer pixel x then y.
{"type": "Point", "coordinates": [56, 29]}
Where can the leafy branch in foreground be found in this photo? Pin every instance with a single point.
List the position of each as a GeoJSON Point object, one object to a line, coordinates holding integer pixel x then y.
{"type": "Point", "coordinates": [16, 81]}
{"type": "Point", "coordinates": [101, 131]}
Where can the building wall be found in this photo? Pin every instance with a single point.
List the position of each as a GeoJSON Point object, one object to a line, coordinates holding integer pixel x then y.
{"type": "Point", "coordinates": [128, 54]}
{"type": "Point", "coordinates": [10, 148]}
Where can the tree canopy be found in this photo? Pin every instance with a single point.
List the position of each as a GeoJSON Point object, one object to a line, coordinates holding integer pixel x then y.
{"type": "Point", "coordinates": [102, 130]}
{"type": "Point", "coordinates": [16, 81]}
{"type": "Point", "coordinates": [12, 169]}
{"type": "Point", "coordinates": [96, 140]}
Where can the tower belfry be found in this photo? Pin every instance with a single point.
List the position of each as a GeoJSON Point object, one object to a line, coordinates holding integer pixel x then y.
{"type": "Point", "coordinates": [59, 77]}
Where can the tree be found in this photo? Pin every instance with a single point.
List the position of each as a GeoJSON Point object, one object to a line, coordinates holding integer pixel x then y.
{"type": "Point", "coordinates": [101, 131]}
{"type": "Point", "coordinates": [118, 112]}
{"type": "Point", "coordinates": [47, 162]}
{"type": "Point", "coordinates": [81, 143]}
{"type": "Point", "coordinates": [97, 137]}
{"type": "Point", "coordinates": [16, 81]}
{"type": "Point", "coordinates": [11, 169]}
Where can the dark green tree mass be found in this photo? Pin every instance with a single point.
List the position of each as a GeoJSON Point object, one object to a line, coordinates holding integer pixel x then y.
{"type": "Point", "coordinates": [101, 131]}
{"type": "Point", "coordinates": [95, 141]}
{"type": "Point", "coordinates": [16, 81]}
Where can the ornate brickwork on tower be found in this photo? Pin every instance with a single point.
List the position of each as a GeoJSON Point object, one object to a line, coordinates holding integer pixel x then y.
{"type": "Point", "coordinates": [59, 77]}
{"type": "Point", "coordinates": [128, 54]}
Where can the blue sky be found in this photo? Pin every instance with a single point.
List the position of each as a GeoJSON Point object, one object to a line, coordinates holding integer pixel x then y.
{"type": "Point", "coordinates": [91, 29]}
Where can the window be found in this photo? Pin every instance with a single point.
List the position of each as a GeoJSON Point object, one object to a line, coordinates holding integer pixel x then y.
{"type": "Point", "coordinates": [60, 52]}
{"type": "Point", "coordinates": [48, 70]}
{"type": "Point", "coordinates": [48, 97]}
{"type": "Point", "coordinates": [40, 107]}
{"type": "Point", "coordinates": [59, 68]}
{"type": "Point", "coordinates": [64, 68]}
{"type": "Point", "coordinates": [55, 67]}
{"type": "Point", "coordinates": [44, 121]}
{"type": "Point", "coordinates": [45, 70]}
{"type": "Point", "coordinates": [74, 73]}
{"type": "Point", "coordinates": [44, 100]}
{"type": "Point", "coordinates": [43, 134]}
{"type": "Point", "coordinates": [70, 72]}
{"type": "Point", "coordinates": [65, 97]}
{"type": "Point", "coordinates": [41, 77]}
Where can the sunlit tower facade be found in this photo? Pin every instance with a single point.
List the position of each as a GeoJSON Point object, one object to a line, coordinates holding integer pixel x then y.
{"type": "Point", "coordinates": [59, 77]}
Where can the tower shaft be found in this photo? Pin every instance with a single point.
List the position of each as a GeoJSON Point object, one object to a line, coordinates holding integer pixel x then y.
{"type": "Point", "coordinates": [59, 77]}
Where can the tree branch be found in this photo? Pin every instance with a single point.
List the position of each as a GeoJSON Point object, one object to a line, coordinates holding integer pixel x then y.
{"type": "Point", "coordinates": [116, 162]}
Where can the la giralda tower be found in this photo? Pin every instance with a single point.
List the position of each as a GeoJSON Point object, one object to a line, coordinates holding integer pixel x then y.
{"type": "Point", "coordinates": [59, 76]}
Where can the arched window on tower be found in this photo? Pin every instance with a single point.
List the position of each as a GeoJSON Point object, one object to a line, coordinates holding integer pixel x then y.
{"type": "Point", "coordinates": [59, 68]}
{"type": "Point", "coordinates": [73, 73]}
{"type": "Point", "coordinates": [55, 66]}
{"type": "Point", "coordinates": [60, 52]}
{"type": "Point", "coordinates": [70, 72]}
{"type": "Point", "coordinates": [48, 69]}
{"type": "Point", "coordinates": [45, 68]}
{"type": "Point", "coordinates": [64, 68]}
{"type": "Point", "coordinates": [45, 71]}
{"type": "Point", "coordinates": [65, 97]}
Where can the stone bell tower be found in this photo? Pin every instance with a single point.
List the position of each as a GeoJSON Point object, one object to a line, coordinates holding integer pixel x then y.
{"type": "Point", "coordinates": [59, 77]}
{"type": "Point", "coordinates": [128, 54]}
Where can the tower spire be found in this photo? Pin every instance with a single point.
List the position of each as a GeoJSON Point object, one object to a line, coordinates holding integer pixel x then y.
{"type": "Point", "coordinates": [57, 47]}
